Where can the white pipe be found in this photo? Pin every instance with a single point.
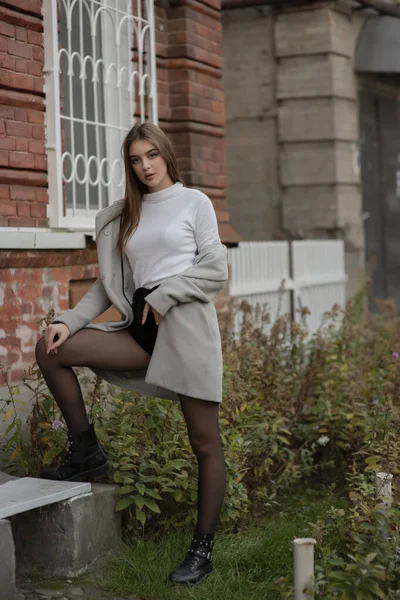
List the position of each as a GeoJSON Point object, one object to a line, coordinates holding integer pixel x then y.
{"type": "Point", "coordinates": [383, 486]}
{"type": "Point", "coordinates": [303, 551]}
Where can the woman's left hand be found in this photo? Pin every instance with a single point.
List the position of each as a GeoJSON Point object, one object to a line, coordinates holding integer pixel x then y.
{"type": "Point", "coordinates": [146, 311]}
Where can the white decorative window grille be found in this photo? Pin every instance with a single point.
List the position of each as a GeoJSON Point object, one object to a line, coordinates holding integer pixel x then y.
{"type": "Point", "coordinates": [100, 70]}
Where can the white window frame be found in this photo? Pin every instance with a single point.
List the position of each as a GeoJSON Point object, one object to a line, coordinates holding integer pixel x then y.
{"type": "Point", "coordinates": [141, 74]}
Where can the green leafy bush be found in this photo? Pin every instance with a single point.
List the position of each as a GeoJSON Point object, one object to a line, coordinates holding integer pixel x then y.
{"type": "Point", "coordinates": [320, 410]}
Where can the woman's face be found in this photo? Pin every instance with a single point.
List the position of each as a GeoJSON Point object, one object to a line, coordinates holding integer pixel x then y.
{"type": "Point", "coordinates": [149, 166]}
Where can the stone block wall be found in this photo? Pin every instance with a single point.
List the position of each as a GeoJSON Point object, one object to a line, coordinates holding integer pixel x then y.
{"type": "Point", "coordinates": [250, 72]}
{"type": "Point", "coordinates": [318, 128]}
{"type": "Point", "coordinates": [293, 124]}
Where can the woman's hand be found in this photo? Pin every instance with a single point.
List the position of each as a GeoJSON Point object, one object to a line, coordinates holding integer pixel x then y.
{"type": "Point", "coordinates": [146, 311]}
{"type": "Point", "coordinates": [53, 330]}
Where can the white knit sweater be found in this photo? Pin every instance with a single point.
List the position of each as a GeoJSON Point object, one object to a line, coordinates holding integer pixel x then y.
{"type": "Point", "coordinates": [175, 225]}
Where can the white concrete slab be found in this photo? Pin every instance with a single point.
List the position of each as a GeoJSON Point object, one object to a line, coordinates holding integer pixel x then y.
{"type": "Point", "coordinates": [27, 493]}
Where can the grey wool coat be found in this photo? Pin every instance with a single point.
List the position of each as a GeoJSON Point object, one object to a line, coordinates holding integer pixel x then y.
{"type": "Point", "coordinates": [187, 357]}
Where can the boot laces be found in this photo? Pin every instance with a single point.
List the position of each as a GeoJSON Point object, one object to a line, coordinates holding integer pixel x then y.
{"type": "Point", "coordinates": [195, 555]}
{"type": "Point", "coordinates": [70, 451]}
{"type": "Point", "coordinates": [192, 562]}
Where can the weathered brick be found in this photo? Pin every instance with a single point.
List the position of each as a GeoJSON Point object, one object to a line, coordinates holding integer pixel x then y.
{"type": "Point", "coordinates": [40, 162]}
{"type": "Point", "coordinates": [7, 29]}
{"type": "Point", "coordinates": [4, 157]}
{"type": "Point", "coordinates": [38, 210]}
{"type": "Point", "coordinates": [21, 160]}
{"type": "Point", "coordinates": [39, 84]}
{"type": "Point", "coordinates": [41, 195]}
{"type": "Point", "coordinates": [35, 37]}
{"type": "Point", "coordinates": [21, 65]}
{"type": "Point", "coordinates": [21, 34]}
{"type": "Point", "coordinates": [15, 375]}
{"type": "Point", "coordinates": [4, 78]}
{"type": "Point", "coordinates": [23, 209]}
{"type": "Point", "coordinates": [35, 68]}
{"type": "Point", "coordinates": [7, 143]}
{"type": "Point", "coordinates": [7, 61]}
{"type": "Point", "coordinates": [216, 168]}
{"type": "Point", "coordinates": [21, 81]}
{"type": "Point", "coordinates": [22, 222]}
{"type": "Point", "coordinates": [21, 144]}
{"type": "Point", "coordinates": [4, 192]}
{"type": "Point", "coordinates": [19, 49]}
{"type": "Point", "coordinates": [7, 209]}
{"type": "Point", "coordinates": [7, 112]}
{"type": "Point", "coordinates": [21, 114]}
{"type": "Point", "coordinates": [36, 146]}
{"type": "Point", "coordinates": [38, 132]}
{"type": "Point", "coordinates": [222, 216]}
{"type": "Point", "coordinates": [36, 116]}
{"type": "Point", "coordinates": [38, 53]}
{"type": "Point", "coordinates": [221, 205]}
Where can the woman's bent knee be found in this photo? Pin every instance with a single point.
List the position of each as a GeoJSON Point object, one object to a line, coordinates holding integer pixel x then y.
{"type": "Point", "coordinates": [203, 448]}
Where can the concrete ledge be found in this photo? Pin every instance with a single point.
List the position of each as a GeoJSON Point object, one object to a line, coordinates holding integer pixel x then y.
{"type": "Point", "coordinates": [8, 591]}
{"type": "Point", "coordinates": [5, 477]}
{"type": "Point", "coordinates": [65, 539]}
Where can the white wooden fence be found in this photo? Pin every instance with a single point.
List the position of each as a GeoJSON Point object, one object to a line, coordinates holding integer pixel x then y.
{"type": "Point", "coordinates": [288, 276]}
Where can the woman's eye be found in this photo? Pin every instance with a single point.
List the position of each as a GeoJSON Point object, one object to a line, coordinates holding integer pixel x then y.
{"type": "Point", "coordinates": [135, 161]}
{"type": "Point", "coordinates": [153, 155]}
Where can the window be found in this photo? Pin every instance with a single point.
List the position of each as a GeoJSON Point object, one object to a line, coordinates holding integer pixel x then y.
{"type": "Point", "coordinates": [100, 78]}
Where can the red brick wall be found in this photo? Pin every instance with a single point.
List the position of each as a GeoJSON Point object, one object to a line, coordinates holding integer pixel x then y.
{"type": "Point", "coordinates": [31, 284]}
{"type": "Point", "coordinates": [191, 111]}
{"type": "Point", "coordinates": [23, 168]}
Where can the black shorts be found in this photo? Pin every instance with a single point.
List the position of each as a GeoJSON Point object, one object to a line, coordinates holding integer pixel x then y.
{"type": "Point", "coordinates": [145, 335]}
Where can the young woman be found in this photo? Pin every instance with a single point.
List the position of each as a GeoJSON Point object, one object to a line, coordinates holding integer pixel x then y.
{"type": "Point", "coordinates": [161, 263]}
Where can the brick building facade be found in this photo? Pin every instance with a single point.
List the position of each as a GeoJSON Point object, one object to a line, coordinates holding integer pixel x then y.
{"type": "Point", "coordinates": [42, 268]}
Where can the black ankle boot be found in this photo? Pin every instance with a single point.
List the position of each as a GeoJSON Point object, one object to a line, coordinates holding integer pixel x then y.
{"type": "Point", "coordinates": [84, 458]}
{"type": "Point", "coordinates": [198, 562]}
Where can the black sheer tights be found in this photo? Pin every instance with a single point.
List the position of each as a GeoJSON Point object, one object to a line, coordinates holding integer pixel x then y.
{"type": "Point", "coordinates": [119, 352]}
{"type": "Point", "coordinates": [86, 348]}
{"type": "Point", "coordinates": [202, 423]}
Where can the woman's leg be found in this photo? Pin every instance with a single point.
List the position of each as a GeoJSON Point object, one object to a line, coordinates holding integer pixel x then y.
{"type": "Point", "coordinates": [87, 348]}
{"type": "Point", "coordinates": [201, 419]}
{"type": "Point", "coordinates": [116, 351]}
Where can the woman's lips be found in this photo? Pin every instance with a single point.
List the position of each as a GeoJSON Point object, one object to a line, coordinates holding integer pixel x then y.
{"type": "Point", "coordinates": [150, 176]}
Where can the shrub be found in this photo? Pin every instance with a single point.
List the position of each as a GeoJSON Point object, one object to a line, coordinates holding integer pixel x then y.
{"type": "Point", "coordinates": [295, 408]}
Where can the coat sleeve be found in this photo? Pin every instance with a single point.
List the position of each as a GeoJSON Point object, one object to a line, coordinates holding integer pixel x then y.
{"type": "Point", "coordinates": [200, 282]}
{"type": "Point", "coordinates": [93, 304]}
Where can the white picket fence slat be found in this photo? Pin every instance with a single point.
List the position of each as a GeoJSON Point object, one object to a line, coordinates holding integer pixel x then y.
{"type": "Point", "coordinates": [288, 276]}
{"type": "Point", "coordinates": [319, 276]}
{"type": "Point", "coordinates": [260, 275]}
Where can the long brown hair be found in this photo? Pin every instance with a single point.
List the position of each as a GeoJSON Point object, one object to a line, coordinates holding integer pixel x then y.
{"type": "Point", "coordinates": [134, 188]}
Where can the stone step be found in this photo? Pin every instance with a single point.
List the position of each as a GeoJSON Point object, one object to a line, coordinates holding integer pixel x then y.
{"type": "Point", "coordinates": [65, 539]}
{"type": "Point", "coordinates": [20, 495]}
{"type": "Point", "coordinates": [53, 529]}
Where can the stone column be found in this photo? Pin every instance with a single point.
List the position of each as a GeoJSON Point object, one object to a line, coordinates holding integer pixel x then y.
{"type": "Point", "coordinates": [318, 128]}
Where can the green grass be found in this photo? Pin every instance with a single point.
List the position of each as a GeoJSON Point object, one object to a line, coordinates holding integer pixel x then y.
{"type": "Point", "coordinates": [247, 565]}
